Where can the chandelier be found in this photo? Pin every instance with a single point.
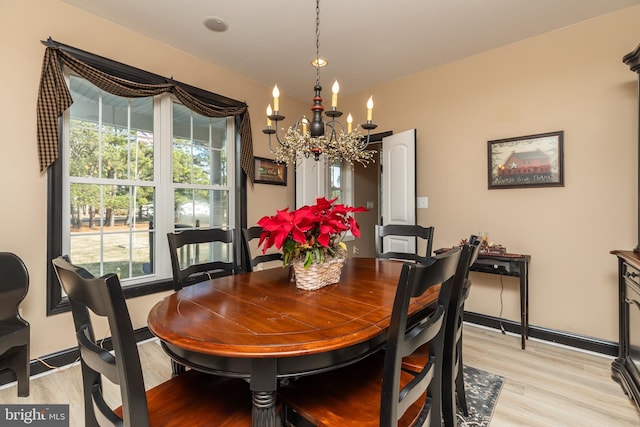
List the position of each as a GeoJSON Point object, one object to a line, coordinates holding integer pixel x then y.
{"type": "Point", "coordinates": [324, 134]}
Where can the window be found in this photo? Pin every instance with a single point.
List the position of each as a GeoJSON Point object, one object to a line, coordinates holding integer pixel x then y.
{"type": "Point", "coordinates": [131, 169]}
{"type": "Point", "coordinates": [340, 185]}
{"type": "Point", "coordinates": [202, 165]}
{"type": "Point", "coordinates": [202, 169]}
{"type": "Point", "coordinates": [119, 199]}
{"type": "Point", "coordinates": [108, 162]}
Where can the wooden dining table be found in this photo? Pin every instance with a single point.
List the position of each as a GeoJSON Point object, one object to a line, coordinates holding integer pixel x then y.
{"type": "Point", "coordinates": [260, 327]}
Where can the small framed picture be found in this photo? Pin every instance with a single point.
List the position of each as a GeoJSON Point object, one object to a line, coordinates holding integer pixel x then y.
{"type": "Point", "coordinates": [526, 161]}
{"type": "Point", "coordinates": [267, 171]}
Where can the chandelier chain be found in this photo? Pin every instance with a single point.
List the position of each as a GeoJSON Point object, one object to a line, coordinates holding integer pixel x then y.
{"type": "Point", "coordinates": [317, 42]}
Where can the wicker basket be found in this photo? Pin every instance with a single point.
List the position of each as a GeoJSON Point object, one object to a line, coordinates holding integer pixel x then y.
{"type": "Point", "coordinates": [317, 276]}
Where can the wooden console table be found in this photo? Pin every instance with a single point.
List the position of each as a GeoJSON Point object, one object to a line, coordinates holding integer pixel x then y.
{"type": "Point", "coordinates": [515, 265]}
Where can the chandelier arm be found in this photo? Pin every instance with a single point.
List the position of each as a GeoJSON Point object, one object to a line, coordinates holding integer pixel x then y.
{"type": "Point", "coordinates": [332, 134]}
{"type": "Point", "coordinates": [269, 132]}
{"type": "Point", "coordinates": [274, 130]}
{"type": "Point", "coordinates": [365, 142]}
{"type": "Point", "coordinates": [277, 139]}
{"type": "Point", "coordinates": [368, 127]}
{"type": "Point", "coordinates": [333, 123]}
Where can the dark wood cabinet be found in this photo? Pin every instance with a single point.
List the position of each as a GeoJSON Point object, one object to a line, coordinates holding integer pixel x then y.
{"type": "Point", "coordinates": [625, 369]}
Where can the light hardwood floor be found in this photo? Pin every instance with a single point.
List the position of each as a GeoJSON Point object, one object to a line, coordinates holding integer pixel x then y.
{"type": "Point", "coordinates": [548, 385]}
{"type": "Point", "coordinates": [545, 385]}
{"type": "Point", "coordinates": [64, 385]}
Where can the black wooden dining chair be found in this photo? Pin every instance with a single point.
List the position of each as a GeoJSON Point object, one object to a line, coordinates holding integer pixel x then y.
{"type": "Point", "coordinates": [14, 330]}
{"type": "Point", "coordinates": [377, 391]}
{"type": "Point", "coordinates": [390, 250]}
{"type": "Point", "coordinates": [253, 259]}
{"type": "Point", "coordinates": [201, 254]}
{"type": "Point", "coordinates": [189, 399]}
{"type": "Point", "coordinates": [453, 389]}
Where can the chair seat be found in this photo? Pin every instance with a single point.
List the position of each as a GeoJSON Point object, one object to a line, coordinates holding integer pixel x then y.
{"type": "Point", "coordinates": [417, 360]}
{"type": "Point", "coordinates": [355, 403]}
{"type": "Point", "coordinates": [196, 399]}
{"type": "Point", "coordinates": [15, 329]}
{"type": "Point", "coordinates": [13, 336]}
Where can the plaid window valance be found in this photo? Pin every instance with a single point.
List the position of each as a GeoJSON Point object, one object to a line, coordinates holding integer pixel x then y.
{"type": "Point", "coordinates": [54, 98]}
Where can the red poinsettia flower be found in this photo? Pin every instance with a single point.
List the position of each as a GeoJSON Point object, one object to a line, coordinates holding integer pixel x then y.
{"type": "Point", "coordinates": [312, 232]}
{"type": "Point", "coordinates": [282, 225]}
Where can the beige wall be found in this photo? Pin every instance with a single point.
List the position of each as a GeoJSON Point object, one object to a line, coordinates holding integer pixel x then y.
{"type": "Point", "coordinates": [571, 80]}
{"type": "Point", "coordinates": [23, 211]}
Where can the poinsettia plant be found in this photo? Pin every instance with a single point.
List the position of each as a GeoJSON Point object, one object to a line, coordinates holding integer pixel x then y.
{"type": "Point", "coordinates": [310, 233]}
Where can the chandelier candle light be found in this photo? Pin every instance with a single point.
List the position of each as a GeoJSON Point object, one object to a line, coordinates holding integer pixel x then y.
{"type": "Point", "coordinates": [322, 135]}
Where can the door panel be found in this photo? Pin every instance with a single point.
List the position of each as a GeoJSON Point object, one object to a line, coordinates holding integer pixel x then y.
{"type": "Point", "coordinates": [399, 244]}
{"type": "Point", "coordinates": [399, 186]}
{"type": "Point", "coordinates": [310, 181]}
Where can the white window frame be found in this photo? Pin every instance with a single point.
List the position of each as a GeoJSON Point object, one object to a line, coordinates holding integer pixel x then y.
{"type": "Point", "coordinates": [346, 189]}
{"type": "Point", "coordinates": [313, 179]}
{"type": "Point", "coordinates": [162, 182]}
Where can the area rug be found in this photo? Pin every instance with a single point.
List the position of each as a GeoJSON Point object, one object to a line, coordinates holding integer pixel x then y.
{"type": "Point", "coordinates": [482, 390]}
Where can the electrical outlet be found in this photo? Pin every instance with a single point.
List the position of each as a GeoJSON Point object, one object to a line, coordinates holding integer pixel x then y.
{"type": "Point", "coordinates": [356, 251]}
{"type": "Point", "coordinates": [422, 202]}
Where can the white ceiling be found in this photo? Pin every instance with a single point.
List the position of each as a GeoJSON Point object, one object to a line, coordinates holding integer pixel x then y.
{"type": "Point", "coordinates": [366, 42]}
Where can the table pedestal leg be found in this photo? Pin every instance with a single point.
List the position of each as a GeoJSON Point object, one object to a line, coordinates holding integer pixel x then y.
{"type": "Point", "coordinates": [264, 412]}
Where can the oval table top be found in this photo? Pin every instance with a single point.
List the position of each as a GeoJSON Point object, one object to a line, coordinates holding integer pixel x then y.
{"type": "Point", "coordinates": [263, 315]}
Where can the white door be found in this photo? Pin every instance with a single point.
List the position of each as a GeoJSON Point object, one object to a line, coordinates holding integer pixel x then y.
{"type": "Point", "coordinates": [399, 187]}
{"type": "Point", "coordinates": [310, 181]}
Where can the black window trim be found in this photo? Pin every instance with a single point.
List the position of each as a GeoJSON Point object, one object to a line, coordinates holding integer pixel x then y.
{"type": "Point", "coordinates": [56, 303]}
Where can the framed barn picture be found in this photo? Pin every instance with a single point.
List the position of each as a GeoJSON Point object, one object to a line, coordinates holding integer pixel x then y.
{"type": "Point", "coordinates": [268, 171]}
{"type": "Point", "coordinates": [526, 161]}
